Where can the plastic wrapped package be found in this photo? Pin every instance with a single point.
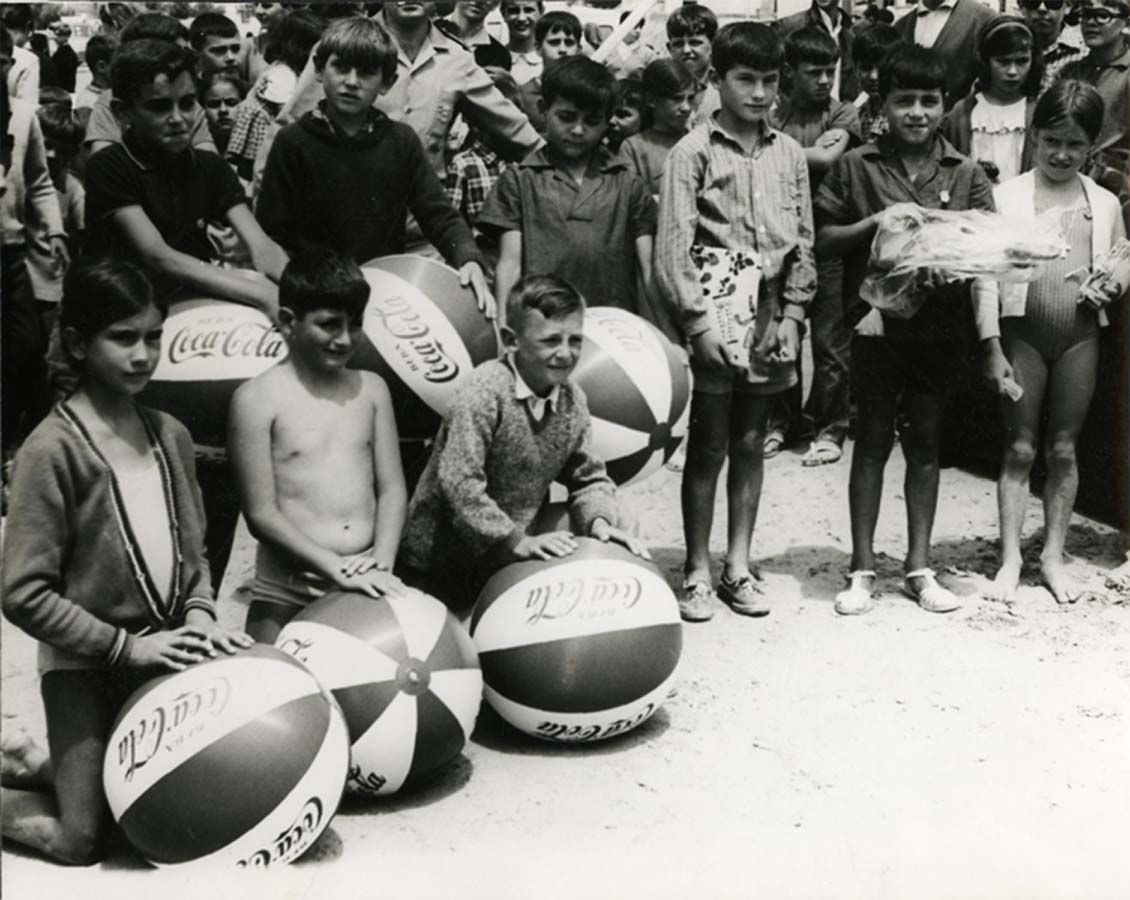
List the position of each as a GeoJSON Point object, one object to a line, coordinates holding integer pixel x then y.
{"type": "Point", "coordinates": [915, 247]}
{"type": "Point", "coordinates": [1110, 277]}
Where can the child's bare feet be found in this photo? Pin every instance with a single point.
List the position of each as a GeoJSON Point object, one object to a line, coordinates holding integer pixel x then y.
{"type": "Point", "coordinates": [1118, 579]}
{"type": "Point", "coordinates": [23, 763]}
{"type": "Point", "coordinates": [1003, 586]}
{"type": "Point", "coordinates": [1058, 582]}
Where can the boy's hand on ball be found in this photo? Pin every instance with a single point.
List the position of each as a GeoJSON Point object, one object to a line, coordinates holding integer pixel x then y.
{"type": "Point", "coordinates": [377, 584]}
{"type": "Point", "coordinates": [471, 275]}
{"type": "Point", "coordinates": [545, 546]}
{"type": "Point", "coordinates": [358, 564]}
{"type": "Point", "coordinates": [176, 650]}
{"type": "Point", "coordinates": [603, 531]}
{"type": "Point", "coordinates": [227, 640]}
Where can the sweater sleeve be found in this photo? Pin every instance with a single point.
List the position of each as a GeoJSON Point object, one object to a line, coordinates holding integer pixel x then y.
{"type": "Point", "coordinates": [592, 494]}
{"type": "Point", "coordinates": [37, 535]}
{"type": "Point", "coordinates": [198, 578]}
{"type": "Point", "coordinates": [479, 521]}
{"type": "Point", "coordinates": [441, 222]}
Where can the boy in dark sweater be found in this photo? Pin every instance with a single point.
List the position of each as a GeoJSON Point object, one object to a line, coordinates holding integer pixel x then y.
{"type": "Point", "coordinates": [517, 426]}
{"type": "Point", "coordinates": [346, 176]}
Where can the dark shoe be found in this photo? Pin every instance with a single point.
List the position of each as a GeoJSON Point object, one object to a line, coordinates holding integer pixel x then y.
{"type": "Point", "coordinates": [743, 596]}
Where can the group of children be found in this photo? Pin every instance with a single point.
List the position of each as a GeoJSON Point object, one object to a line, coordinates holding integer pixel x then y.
{"type": "Point", "coordinates": [118, 528]}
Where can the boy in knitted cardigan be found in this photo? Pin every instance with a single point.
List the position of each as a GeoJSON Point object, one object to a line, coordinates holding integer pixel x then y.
{"type": "Point", "coordinates": [518, 425]}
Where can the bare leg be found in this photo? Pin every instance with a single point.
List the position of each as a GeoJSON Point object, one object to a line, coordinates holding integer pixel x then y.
{"type": "Point", "coordinates": [70, 824]}
{"type": "Point", "coordinates": [921, 442]}
{"type": "Point", "coordinates": [707, 442]}
{"type": "Point", "coordinates": [266, 620]}
{"type": "Point", "coordinates": [23, 763]}
{"type": "Point", "coordinates": [875, 430]}
{"type": "Point", "coordinates": [1022, 421]}
{"type": "Point", "coordinates": [744, 480]}
{"type": "Point", "coordinates": [1071, 383]}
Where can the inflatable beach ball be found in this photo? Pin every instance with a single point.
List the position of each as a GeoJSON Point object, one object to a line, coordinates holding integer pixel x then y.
{"type": "Point", "coordinates": [425, 336]}
{"type": "Point", "coordinates": [240, 760]}
{"type": "Point", "coordinates": [638, 391]}
{"type": "Point", "coordinates": [580, 648]}
{"type": "Point", "coordinates": [405, 674]}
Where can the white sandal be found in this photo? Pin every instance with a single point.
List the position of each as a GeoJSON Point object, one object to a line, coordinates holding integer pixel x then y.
{"type": "Point", "coordinates": [857, 597]}
{"type": "Point", "coordinates": [933, 597]}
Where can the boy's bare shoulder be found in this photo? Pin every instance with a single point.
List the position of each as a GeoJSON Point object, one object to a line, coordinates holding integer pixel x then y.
{"type": "Point", "coordinates": [374, 387]}
{"type": "Point", "coordinates": [264, 390]}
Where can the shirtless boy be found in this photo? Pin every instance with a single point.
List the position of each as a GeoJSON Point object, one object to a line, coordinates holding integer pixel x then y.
{"type": "Point", "coordinates": [315, 451]}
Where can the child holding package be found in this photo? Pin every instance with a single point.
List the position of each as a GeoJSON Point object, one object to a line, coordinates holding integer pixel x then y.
{"type": "Point", "coordinates": [103, 560]}
{"type": "Point", "coordinates": [1045, 335]}
{"type": "Point", "coordinates": [315, 452]}
{"type": "Point", "coordinates": [735, 184]}
{"type": "Point", "coordinates": [573, 207]}
{"type": "Point", "coordinates": [901, 369]}
{"type": "Point", "coordinates": [469, 514]}
{"type": "Point", "coordinates": [370, 171]}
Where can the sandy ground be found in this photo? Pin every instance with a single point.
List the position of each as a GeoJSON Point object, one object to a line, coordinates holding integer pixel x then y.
{"type": "Point", "coordinates": [900, 754]}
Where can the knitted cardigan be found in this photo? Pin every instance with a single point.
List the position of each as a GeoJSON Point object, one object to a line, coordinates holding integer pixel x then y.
{"type": "Point", "coordinates": [73, 573]}
{"type": "Point", "coordinates": [491, 470]}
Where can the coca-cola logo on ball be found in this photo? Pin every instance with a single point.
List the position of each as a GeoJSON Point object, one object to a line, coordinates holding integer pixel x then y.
{"type": "Point", "coordinates": [207, 340]}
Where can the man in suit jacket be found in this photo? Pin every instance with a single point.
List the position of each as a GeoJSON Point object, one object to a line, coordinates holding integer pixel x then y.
{"type": "Point", "coordinates": [950, 27]}
{"type": "Point", "coordinates": [827, 15]}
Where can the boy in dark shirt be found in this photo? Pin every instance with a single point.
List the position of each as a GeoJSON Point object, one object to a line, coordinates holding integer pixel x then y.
{"type": "Point", "coordinates": [901, 369]}
{"type": "Point", "coordinates": [346, 176]}
{"type": "Point", "coordinates": [215, 38]}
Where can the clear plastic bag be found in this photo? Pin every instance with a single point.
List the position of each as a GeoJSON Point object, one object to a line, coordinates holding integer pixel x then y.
{"type": "Point", "coordinates": [915, 247]}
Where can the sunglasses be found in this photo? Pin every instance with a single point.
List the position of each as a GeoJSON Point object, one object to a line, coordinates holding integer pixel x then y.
{"type": "Point", "coordinates": [1033, 5]}
{"type": "Point", "coordinates": [1098, 16]}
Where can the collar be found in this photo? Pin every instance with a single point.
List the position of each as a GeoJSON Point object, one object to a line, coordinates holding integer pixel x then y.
{"type": "Point", "coordinates": [433, 38]}
{"type": "Point", "coordinates": [371, 120]}
{"type": "Point", "coordinates": [147, 160]}
{"type": "Point", "coordinates": [942, 152]}
{"type": "Point", "coordinates": [1122, 61]}
{"type": "Point", "coordinates": [602, 160]}
{"type": "Point", "coordinates": [785, 107]}
{"type": "Point", "coordinates": [818, 16]}
{"type": "Point", "coordinates": [482, 36]}
{"type": "Point", "coordinates": [523, 393]}
{"type": "Point", "coordinates": [768, 134]}
{"type": "Point", "coordinates": [945, 6]}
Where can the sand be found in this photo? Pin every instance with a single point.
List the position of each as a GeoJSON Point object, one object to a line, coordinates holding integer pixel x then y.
{"type": "Point", "coordinates": [981, 754]}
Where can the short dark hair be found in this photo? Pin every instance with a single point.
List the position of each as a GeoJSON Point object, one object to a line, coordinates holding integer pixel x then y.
{"type": "Point", "coordinates": [811, 45]}
{"type": "Point", "coordinates": [38, 43]}
{"type": "Point", "coordinates": [208, 25]}
{"type": "Point", "coordinates": [912, 68]}
{"type": "Point", "coordinates": [357, 41]}
{"type": "Point", "coordinates": [1001, 36]}
{"type": "Point", "coordinates": [493, 55]}
{"type": "Point", "coordinates": [579, 80]}
{"type": "Point", "coordinates": [692, 19]}
{"type": "Point", "coordinates": [152, 26]}
{"type": "Point", "coordinates": [99, 291]}
{"type": "Point", "coordinates": [18, 16]}
{"type": "Point", "coordinates": [1068, 100]}
{"type": "Point", "coordinates": [60, 124]}
{"type": "Point", "coordinates": [138, 63]}
{"type": "Point", "coordinates": [557, 20]}
{"type": "Point", "coordinates": [98, 49]}
{"type": "Point", "coordinates": [664, 78]}
{"type": "Point", "coordinates": [551, 295]}
{"type": "Point", "coordinates": [872, 44]}
{"type": "Point", "coordinates": [505, 3]}
{"type": "Point", "coordinates": [752, 44]}
{"type": "Point", "coordinates": [320, 278]}
{"type": "Point", "coordinates": [293, 37]}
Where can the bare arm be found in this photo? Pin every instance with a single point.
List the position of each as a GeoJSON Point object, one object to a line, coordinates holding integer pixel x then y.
{"type": "Point", "coordinates": [829, 147]}
{"type": "Point", "coordinates": [392, 492]}
{"type": "Point", "coordinates": [249, 446]}
{"type": "Point", "coordinates": [838, 240]}
{"type": "Point", "coordinates": [508, 270]}
{"type": "Point", "coordinates": [210, 280]}
{"type": "Point", "coordinates": [645, 250]}
{"type": "Point", "coordinates": [268, 257]}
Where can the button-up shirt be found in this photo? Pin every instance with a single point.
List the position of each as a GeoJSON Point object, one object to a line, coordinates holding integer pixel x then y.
{"type": "Point", "coordinates": [538, 406]}
{"type": "Point", "coordinates": [930, 23]}
{"type": "Point", "coordinates": [718, 194]}
{"type": "Point", "coordinates": [1112, 81]}
{"type": "Point", "coordinates": [1068, 48]}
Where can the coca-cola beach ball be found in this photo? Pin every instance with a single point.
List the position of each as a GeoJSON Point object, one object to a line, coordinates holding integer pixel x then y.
{"type": "Point", "coordinates": [237, 761]}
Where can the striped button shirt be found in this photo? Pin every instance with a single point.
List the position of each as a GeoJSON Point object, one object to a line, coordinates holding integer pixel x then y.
{"type": "Point", "coordinates": [717, 194]}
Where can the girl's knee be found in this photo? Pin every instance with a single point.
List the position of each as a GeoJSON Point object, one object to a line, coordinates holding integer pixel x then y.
{"type": "Point", "coordinates": [706, 455]}
{"type": "Point", "coordinates": [1020, 452]}
{"type": "Point", "coordinates": [1059, 453]}
{"type": "Point", "coordinates": [82, 846]}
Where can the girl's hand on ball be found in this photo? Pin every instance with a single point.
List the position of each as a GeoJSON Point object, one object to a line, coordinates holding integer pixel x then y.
{"type": "Point", "coordinates": [545, 546]}
{"type": "Point", "coordinates": [176, 650]}
{"type": "Point", "coordinates": [602, 531]}
{"type": "Point", "coordinates": [358, 564]}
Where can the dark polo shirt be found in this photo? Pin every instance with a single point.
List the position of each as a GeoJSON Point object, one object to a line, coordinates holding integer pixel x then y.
{"type": "Point", "coordinates": [179, 194]}
{"type": "Point", "coordinates": [867, 180]}
{"type": "Point", "coordinates": [586, 232]}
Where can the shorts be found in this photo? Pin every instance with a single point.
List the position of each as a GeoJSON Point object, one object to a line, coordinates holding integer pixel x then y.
{"type": "Point", "coordinates": [881, 367]}
{"type": "Point", "coordinates": [280, 583]}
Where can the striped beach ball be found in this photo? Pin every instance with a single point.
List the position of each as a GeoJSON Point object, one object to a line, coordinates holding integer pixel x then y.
{"type": "Point", "coordinates": [425, 336]}
{"type": "Point", "coordinates": [405, 674]}
{"type": "Point", "coordinates": [240, 760]}
{"type": "Point", "coordinates": [580, 648]}
{"type": "Point", "coordinates": [638, 391]}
